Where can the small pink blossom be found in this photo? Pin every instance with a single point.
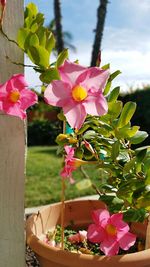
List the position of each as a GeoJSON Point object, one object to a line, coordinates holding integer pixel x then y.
{"type": "Point", "coordinates": [51, 243]}
{"type": "Point", "coordinates": [15, 98]}
{"type": "Point", "coordinates": [2, 11]}
{"type": "Point", "coordinates": [79, 237]}
{"type": "Point", "coordinates": [79, 92]}
{"type": "Point", "coordinates": [71, 163]}
{"type": "Point", "coordinates": [111, 232]}
{"type": "Point", "coordinates": [3, 2]}
{"type": "Point", "coordinates": [89, 147]}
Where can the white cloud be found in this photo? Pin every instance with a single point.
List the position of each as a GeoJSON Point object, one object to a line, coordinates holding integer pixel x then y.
{"type": "Point", "coordinates": [137, 13]}
{"type": "Point", "coordinates": [126, 39]}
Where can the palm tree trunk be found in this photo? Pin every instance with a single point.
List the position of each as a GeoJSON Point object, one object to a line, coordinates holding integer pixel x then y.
{"type": "Point", "coordinates": [101, 15]}
{"type": "Point", "coordinates": [59, 35]}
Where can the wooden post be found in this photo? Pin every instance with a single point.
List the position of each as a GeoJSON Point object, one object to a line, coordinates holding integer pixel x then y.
{"type": "Point", "coordinates": [12, 150]}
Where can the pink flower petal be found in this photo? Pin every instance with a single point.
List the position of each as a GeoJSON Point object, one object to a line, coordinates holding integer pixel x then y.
{"type": "Point", "coordinates": [75, 114]}
{"type": "Point", "coordinates": [19, 81]}
{"type": "Point", "coordinates": [14, 110]}
{"type": "Point", "coordinates": [95, 234]}
{"type": "Point", "coordinates": [70, 71]}
{"type": "Point", "coordinates": [110, 247]}
{"type": "Point", "coordinates": [94, 78]}
{"type": "Point", "coordinates": [83, 235]}
{"type": "Point", "coordinates": [57, 93]}
{"type": "Point", "coordinates": [3, 89]}
{"type": "Point", "coordinates": [116, 220]}
{"type": "Point", "coordinates": [96, 105]}
{"type": "Point", "coordinates": [70, 151]}
{"type": "Point", "coordinates": [74, 238]}
{"type": "Point", "coordinates": [28, 98]}
{"type": "Point", "coordinates": [126, 240]}
{"type": "Point", "coordinates": [100, 217]}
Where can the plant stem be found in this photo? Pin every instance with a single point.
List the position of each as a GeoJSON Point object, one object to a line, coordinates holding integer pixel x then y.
{"type": "Point", "coordinates": [6, 36]}
{"type": "Point", "coordinates": [62, 213]}
{"type": "Point", "coordinates": [63, 202]}
{"type": "Point", "coordinates": [84, 172]}
{"type": "Point", "coordinates": [97, 190]}
{"type": "Point", "coordinates": [147, 243]}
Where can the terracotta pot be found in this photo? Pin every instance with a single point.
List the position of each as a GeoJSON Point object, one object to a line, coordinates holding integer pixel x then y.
{"type": "Point", "coordinates": [79, 212]}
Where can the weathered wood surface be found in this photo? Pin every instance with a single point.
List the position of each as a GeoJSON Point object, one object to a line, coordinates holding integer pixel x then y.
{"type": "Point", "coordinates": [12, 150]}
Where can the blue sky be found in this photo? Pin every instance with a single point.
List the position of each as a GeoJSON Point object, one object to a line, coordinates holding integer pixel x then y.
{"type": "Point", "coordinates": [126, 39]}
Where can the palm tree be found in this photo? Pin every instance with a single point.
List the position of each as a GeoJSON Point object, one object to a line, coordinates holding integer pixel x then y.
{"type": "Point", "coordinates": [67, 36]}
{"type": "Point", "coordinates": [59, 36]}
{"type": "Point", "coordinates": [101, 15]}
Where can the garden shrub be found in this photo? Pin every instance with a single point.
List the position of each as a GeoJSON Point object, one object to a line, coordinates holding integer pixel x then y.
{"type": "Point", "coordinates": [142, 113]}
{"type": "Point", "coordinates": [42, 132]}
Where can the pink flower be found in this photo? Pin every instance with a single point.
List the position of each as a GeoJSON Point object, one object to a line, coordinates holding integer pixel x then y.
{"type": "Point", "coordinates": [71, 163]}
{"type": "Point", "coordinates": [51, 243]}
{"type": "Point", "coordinates": [79, 92]}
{"type": "Point", "coordinates": [88, 146]}
{"type": "Point", "coordinates": [110, 231]}
{"type": "Point", "coordinates": [15, 98]}
{"type": "Point", "coordinates": [3, 2]}
{"type": "Point", "coordinates": [2, 11]}
{"type": "Point", "coordinates": [79, 237]}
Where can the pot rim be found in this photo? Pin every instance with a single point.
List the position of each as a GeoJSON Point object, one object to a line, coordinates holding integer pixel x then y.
{"type": "Point", "coordinates": [51, 253]}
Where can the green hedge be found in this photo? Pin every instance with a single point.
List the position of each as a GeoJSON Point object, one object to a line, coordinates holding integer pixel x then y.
{"type": "Point", "coordinates": [43, 132]}
{"type": "Point", "coordinates": [142, 114]}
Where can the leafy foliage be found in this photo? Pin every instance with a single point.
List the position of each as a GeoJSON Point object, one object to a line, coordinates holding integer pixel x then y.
{"type": "Point", "coordinates": [127, 184]}
{"type": "Point", "coordinates": [38, 43]}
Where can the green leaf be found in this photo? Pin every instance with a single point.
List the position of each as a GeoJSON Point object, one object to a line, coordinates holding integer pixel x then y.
{"type": "Point", "coordinates": [22, 35]}
{"type": "Point", "coordinates": [84, 184]}
{"type": "Point", "coordinates": [141, 153]}
{"type": "Point", "coordinates": [34, 27]}
{"type": "Point", "coordinates": [126, 114]}
{"type": "Point", "coordinates": [90, 135]}
{"type": "Point", "coordinates": [114, 109]}
{"type": "Point", "coordinates": [106, 67]}
{"type": "Point", "coordinates": [42, 36]}
{"type": "Point", "coordinates": [134, 215]}
{"type": "Point", "coordinates": [31, 10]}
{"type": "Point", "coordinates": [34, 40]}
{"type": "Point", "coordinates": [129, 166]}
{"type": "Point", "coordinates": [114, 94]}
{"type": "Point", "coordinates": [49, 75]}
{"type": "Point", "coordinates": [127, 131]}
{"type": "Point", "coordinates": [144, 201]}
{"type": "Point", "coordinates": [50, 44]}
{"type": "Point", "coordinates": [115, 150]}
{"type": "Point", "coordinates": [139, 137]}
{"type": "Point", "coordinates": [107, 88]}
{"type": "Point", "coordinates": [147, 181]}
{"type": "Point", "coordinates": [83, 129]}
{"type": "Point", "coordinates": [61, 57]}
{"type": "Point", "coordinates": [114, 203]}
{"type": "Point", "coordinates": [39, 55]}
{"type": "Point", "coordinates": [39, 20]}
{"type": "Point", "coordinates": [114, 75]}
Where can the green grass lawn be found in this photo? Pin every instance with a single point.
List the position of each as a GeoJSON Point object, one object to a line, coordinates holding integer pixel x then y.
{"type": "Point", "coordinates": [43, 182]}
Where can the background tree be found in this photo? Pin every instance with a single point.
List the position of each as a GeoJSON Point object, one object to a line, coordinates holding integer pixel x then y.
{"type": "Point", "coordinates": [59, 35]}
{"type": "Point", "coordinates": [66, 36]}
{"type": "Point", "coordinates": [101, 15]}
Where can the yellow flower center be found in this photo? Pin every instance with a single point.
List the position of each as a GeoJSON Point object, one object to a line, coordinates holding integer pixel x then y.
{"type": "Point", "coordinates": [14, 96]}
{"type": "Point", "coordinates": [79, 93]}
{"type": "Point", "coordinates": [111, 229]}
